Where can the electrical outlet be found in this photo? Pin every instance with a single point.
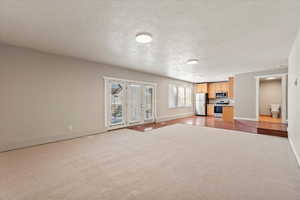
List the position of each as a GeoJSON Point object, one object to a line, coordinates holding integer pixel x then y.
{"type": "Point", "coordinates": [70, 127]}
{"type": "Point", "coordinates": [296, 82]}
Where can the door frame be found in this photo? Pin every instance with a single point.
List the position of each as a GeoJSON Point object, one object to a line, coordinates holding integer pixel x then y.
{"type": "Point", "coordinates": [126, 81]}
{"type": "Point", "coordinates": [283, 77]}
{"type": "Point", "coordinates": [128, 121]}
{"type": "Point", "coordinates": [153, 104]}
{"type": "Point", "coordinates": [107, 98]}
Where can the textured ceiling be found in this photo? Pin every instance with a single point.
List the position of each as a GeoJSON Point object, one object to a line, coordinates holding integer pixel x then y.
{"type": "Point", "coordinates": [227, 36]}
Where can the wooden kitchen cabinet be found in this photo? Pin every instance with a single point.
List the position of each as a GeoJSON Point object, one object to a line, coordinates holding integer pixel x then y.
{"type": "Point", "coordinates": [210, 109]}
{"type": "Point", "coordinates": [228, 113]}
{"type": "Point", "coordinates": [202, 88]}
{"type": "Point", "coordinates": [231, 88]}
{"type": "Point", "coordinates": [213, 88]}
{"type": "Point", "coordinates": [218, 87]}
{"type": "Point", "coordinates": [211, 91]}
{"type": "Point", "coordinates": [222, 87]}
{"type": "Point", "coordinates": [225, 87]}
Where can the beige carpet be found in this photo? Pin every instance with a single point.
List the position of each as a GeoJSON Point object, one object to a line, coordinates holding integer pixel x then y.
{"type": "Point", "coordinates": [177, 162]}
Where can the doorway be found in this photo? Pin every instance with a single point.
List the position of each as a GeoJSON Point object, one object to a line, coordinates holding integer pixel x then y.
{"type": "Point", "coordinates": [271, 102]}
{"type": "Point", "coordinates": [128, 103]}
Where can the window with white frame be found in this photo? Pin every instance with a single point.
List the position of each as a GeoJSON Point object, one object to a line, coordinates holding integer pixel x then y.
{"type": "Point", "coordinates": [188, 96]}
{"type": "Point", "coordinates": [180, 96]}
{"type": "Point", "coordinates": [173, 96]}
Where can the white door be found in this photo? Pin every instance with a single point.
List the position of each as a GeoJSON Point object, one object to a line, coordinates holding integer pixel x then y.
{"type": "Point", "coordinates": [134, 103]}
{"type": "Point", "coordinates": [148, 104]}
{"type": "Point", "coordinates": [116, 104]}
{"type": "Point", "coordinates": [128, 103]}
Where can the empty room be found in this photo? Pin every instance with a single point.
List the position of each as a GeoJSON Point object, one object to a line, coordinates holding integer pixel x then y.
{"type": "Point", "coordinates": [149, 100]}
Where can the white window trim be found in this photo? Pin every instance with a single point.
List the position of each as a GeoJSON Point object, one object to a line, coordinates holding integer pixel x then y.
{"type": "Point", "coordinates": [126, 80]}
{"type": "Point", "coordinates": [191, 97]}
{"type": "Point", "coordinates": [171, 87]}
{"type": "Point", "coordinates": [179, 97]}
{"type": "Point", "coordinates": [185, 105]}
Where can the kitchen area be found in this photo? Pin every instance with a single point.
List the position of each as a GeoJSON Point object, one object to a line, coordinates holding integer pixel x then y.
{"type": "Point", "coordinates": [215, 99]}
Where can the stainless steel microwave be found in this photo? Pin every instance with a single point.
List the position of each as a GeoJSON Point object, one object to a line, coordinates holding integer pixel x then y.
{"type": "Point", "coordinates": [221, 95]}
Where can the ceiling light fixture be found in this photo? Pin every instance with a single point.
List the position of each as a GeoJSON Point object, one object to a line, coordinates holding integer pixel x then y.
{"type": "Point", "coordinates": [271, 78]}
{"type": "Point", "coordinates": [192, 62]}
{"type": "Point", "coordinates": [143, 38]}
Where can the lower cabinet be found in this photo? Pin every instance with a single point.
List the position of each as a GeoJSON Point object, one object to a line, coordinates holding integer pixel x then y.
{"type": "Point", "coordinates": [210, 109]}
{"type": "Point", "coordinates": [228, 113]}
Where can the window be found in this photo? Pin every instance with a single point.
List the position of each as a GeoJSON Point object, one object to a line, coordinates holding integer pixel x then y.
{"type": "Point", "coordinates": [180, 96]}
{"type": "Point", "coordinates": [172, 96]}
{"type": "Point", "coordinates": [188, 96]}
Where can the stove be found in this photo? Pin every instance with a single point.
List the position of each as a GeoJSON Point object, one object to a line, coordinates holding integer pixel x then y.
{"type": "Point", "coordinates": [218, 109]}
{"type": "Point", "coordinates": [222, 102]}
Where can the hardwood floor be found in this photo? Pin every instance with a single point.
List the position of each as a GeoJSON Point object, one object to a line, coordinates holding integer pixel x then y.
{"type": "Point", "coordinates": [265, 118]}
{"type": "Point", "coordinates": [239, 125]}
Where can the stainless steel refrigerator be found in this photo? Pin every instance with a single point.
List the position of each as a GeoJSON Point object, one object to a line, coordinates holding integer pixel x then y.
{"type": "Point", "coordinates": [200, 104]}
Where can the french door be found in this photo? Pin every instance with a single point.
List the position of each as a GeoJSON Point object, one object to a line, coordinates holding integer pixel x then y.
{"type": "Point", "coordinates": [116, 107]}
{"type": "Point", "coordinates": [134, 103]}
{"type": "Point", "coordinates": [148, 104]}
{"type": "Point", "coordinates": [128, 103]}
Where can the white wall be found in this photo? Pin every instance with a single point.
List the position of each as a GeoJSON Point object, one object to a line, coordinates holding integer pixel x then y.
{"type": "Point", "coordinates": [294, 97]}
{"type": "Point", "coordinates": [270, 92]}
{"type": "Point", "coordinates": [42, 94]}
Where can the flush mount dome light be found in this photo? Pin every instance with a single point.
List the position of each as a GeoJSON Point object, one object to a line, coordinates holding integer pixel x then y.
{"type": "Point", "coordinates": [143, 38]}
{"type": "Point", "coordinates": [192, 62]}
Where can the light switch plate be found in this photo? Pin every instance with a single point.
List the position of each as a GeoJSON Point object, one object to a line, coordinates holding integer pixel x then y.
{"type": "Point", "coordinates": [296, 82]}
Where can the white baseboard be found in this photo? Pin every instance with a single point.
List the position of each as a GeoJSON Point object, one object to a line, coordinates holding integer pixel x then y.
{"type": "Point", "coordinates": [171, 117]}
{"type": "Point", "coordinates": [47, 139]}
{"type": "Point", "coordinates": [243, 118]}
{"type": "Point", "coordinates": [294, 151]}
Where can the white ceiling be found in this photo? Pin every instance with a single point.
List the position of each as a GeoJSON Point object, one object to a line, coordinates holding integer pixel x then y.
{"type": "Point", "coordinates": [227, 36]}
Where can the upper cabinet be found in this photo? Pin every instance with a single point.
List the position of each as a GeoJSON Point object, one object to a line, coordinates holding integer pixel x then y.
{"type": "Point", "coordinates": [202, 88]}
{"type": "Point", "coordinates": [230, 88]}
{"type": "Point", "coordinates": [225, 87]}
{"type": "Point", "coordinates": [218, 87]}
{"type": "Point", "coordinates": [213, 88]}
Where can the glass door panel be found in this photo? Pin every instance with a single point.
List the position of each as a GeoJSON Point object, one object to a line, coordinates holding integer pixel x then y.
{"type": "Point", "coordinates": [148, 103]}
{"type": "Point", "coordinates": [117, 110]}
{"type": "Point", "coordinates": [134, 103]}
{"type": "Point", "coordinates": [128, 103]}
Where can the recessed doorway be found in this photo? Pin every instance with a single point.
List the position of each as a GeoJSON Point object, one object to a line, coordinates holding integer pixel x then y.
{"type": "Point", "coordinates": [271, 102]}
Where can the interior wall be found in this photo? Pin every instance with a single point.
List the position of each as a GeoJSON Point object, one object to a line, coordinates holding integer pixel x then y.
{"type": "Point", "coordinates": [42, 95]}
{"type": "Point", "coordinates": [294, 97]}
{"type": "Point", "coordinates": [269, 93]}
{"type": "Point", "coordinates": [245, 92]}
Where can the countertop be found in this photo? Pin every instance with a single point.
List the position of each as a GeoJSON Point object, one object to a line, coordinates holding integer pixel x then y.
{"type": "Point", "coordinates": [225, 105]}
